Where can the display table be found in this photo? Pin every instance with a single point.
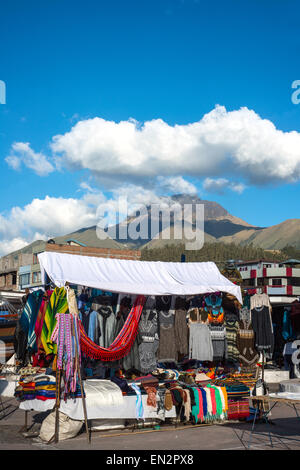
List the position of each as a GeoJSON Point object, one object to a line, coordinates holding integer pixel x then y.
{"type": "Point", "coordinates": [104, 399]}
{"type": "Point", "coordinates": [7, 386]}
{"type": "Point", "coordinates": [289, 399]}
{"type": "Point", "coordinates": [74, 409]}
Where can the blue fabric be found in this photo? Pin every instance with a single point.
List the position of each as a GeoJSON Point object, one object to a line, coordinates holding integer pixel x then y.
{"type": "Point", "coordinates": [139, 403]}
{"type": "Point", "coordinates": [29, 316]}
{"type": "Point", "coordinates": [287, 331]}
{"type": "Point", "coordinates": [204, 401]}
{"type": "Point", "coordinates": [93, 325]}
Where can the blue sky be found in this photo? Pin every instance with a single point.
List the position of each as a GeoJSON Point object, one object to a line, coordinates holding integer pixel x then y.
{"type": "Point", "coordinates": [167, 62]}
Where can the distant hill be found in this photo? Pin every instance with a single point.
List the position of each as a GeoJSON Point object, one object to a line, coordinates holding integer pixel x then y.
{"type": "Point", "coordinates": [219, 227]}
{"type": "Point", "coordinates": [275, 237]}
{"type": "Point", "coordinates": [218, 222]}
{"type": "Point", "coordinates": [88, 237]}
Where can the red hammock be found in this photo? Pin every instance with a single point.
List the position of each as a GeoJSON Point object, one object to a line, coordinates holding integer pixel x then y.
{"type": "Point", "coordinates": [123, 342]}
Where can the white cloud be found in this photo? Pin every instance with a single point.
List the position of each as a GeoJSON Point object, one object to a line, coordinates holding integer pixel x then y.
{"type": "Point", "coordinates": [220, 185]}
{"type": "Point", "coordinates": [230, 144]}
{"type": "Point", "coordinates": [7, 246]}
{"type": "Point", "coordinates": [225, 144]}
{"type": "Point", "coordinates": [50, 217]}
{"type": "Point", "coordinates": [21, 152]}
{"type": "Point", "coordinates": [177, 184]}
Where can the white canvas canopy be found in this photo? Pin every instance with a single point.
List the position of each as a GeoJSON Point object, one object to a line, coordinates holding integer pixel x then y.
{"type": "Point", "coordinates": [135, 277]}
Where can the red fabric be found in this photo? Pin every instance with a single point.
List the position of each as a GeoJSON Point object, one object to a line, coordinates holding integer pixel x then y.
{"type": "Point", "coordinates": [253, 273]}
{"type": "Point", "coordinates": [123, 342]}
{"type": "Point", "coordinates": [213, 401]}
{"type": "Point", "coordinates": [289, 290]}
{"type": "Point", "coordinates": [200, 414]}
{"type": "Point", "coordinates": [289, 272]}
{"type": "Point", "coordinates": [238, 409]}
{"type": "Point", "coordinates": [264, 272]}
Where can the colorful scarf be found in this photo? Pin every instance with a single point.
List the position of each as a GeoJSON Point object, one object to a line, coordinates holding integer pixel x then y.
{"type": "Point", "coordinates": [123, 342]}
{"type": "Point", "coordinates": [209, 415]}
{"type": "Point", "coordinates": [200, 413]}
{"type": "Point", "coordinates": [67, 336]}
{"type": "Point", "coordinates": [204, 401]}
{"type": "Point", "coordinates": [58, 304]}
{"type": "Point", "coordinates": [225, 398]}
{"type": "Point", "coordinates": [195, 407]}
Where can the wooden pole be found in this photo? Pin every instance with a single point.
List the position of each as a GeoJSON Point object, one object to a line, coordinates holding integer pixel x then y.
{"type": "Point", "coordinates": [57, 404]}
{"type": "Point", "coordinates": [81, 388]}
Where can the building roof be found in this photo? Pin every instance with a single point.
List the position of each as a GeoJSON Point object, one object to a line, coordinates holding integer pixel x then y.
{"type": "Point", "coordinates": [291, 261]}
{"type": "Point", "coordinates": [75, 241]}
{"type": "Point", "coordinates": [257, 261]}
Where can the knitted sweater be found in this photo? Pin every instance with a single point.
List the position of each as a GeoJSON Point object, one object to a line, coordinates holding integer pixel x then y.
{"type": "Point", "coordinates": [218, 337]}
{"type": "Point", "coordinates": [261, 323]}
{"type": "Point", "coordinates": [231, 338]}
{"type": "Point", "coordinates": [245, 344]}
{"type": "Point", "coordinates": [200, 346]}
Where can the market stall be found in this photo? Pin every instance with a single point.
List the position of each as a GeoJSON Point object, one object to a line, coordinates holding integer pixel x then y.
{"type": "Point", "coordinates": [167, 336]}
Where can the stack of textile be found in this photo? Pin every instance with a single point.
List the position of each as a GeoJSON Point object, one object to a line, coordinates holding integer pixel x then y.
{"type": "Point", "coordinates": [238, 398]}
{"type": "Point", "coordinates": [234, 388]}
{"type": "Point", "coordinates": [245, 378]}
{"type": "Point", "coordinates": [40, 387]}
{"type": "Point", "coordinates": [238, 409]}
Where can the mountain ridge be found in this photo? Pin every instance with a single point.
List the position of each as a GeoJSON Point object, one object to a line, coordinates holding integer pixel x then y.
{"type": "Point", "coordinates": [219, 227]}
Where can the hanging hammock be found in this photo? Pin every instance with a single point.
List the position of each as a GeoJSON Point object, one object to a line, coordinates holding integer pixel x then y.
{"type": "Point", "coordinates": [123, 342]}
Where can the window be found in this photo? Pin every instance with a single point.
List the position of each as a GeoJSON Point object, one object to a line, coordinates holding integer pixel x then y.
{"type": "Point", "coordinates": [262, 281]}
{"type": "Point", "coordinates": [293, 281]}
{"type": "Point", "coordinates": [276, 282]}
{"type": "Point", "coordinates": [35, 258]}
{"type": "Point", "coordinates": [248, 283]}
{"type": "Point", "coordinates": [36, 277]}
{"type": "Point", "coordinates": [24, 279]}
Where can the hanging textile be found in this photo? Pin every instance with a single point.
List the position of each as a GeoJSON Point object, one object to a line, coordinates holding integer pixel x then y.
{"type": "Point", "coordinates": [139, 409]}
{"type": "Point", "coordinates": [40, 318]}
{"type": "Point", "coordinates": [213, 305]}
{"type": "Point", "coordinates": [66, 335]}
{"type": "Point", "coordinates": [200, 346]}
{"type": "Point", "coordinates": [39, 358]}
{"type": "Point", "coordinates": [148, 332]}
{"type": "Point", "coordinates": [123, 342]}
{"type": "Point", "coordinates": [132, 359]}
{"type": "Point", "coordinates": [38, 297]}
{"type": "Point", "coordinates": [232, 327]}
{"type": "Point", "coordinates": [24, 337]}
{"type": "Point", "coordinates": [58, 304]}
{"type": "Point", "coordinates": [262, 327]}
{"type": "Point", "coordinates": [181, 328]}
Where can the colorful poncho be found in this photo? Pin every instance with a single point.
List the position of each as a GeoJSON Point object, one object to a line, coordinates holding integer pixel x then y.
{"type": "Point", "coordinates": [58, 304]}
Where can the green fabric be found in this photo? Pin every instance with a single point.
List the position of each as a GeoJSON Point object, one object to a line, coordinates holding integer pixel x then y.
{"type": "Point", "coordinates": [57, 304]}
{"type": "Point", "coordinates": [195, 408]}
